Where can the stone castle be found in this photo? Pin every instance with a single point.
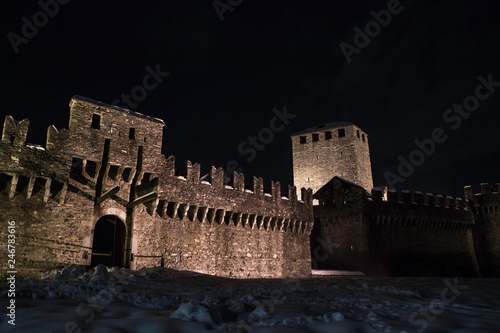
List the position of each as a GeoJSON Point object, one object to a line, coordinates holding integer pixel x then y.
{"type": "Point", "coordinates": [102, 192]}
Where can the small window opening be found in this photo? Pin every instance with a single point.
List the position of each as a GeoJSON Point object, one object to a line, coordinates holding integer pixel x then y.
{"type": "Point", "coordinates": [171, 209]}
{"type": "Point", "coordinates": [22, 184]}
{"type": "Point", "coordinates": [127, 174]}
{"type": "Point", "coordinates": [12, 139]}
{"type": "Point", "coordinates": [131, 133]}
{"type": "Point", "coordinates": [5, 183]}
{"type": "Point", "coordinates": [38, 187]}
{"type": "Point", "coordinates": [357, 133]}
{"type": "Point", "coordinates": [303, 139]}
{"type": "Point", "coordinates": [341, 132]}
{"type": "Point", "coordinates": [328, 135]}
{"type": "Point", "coordinates": [96, 121]}
{"type": "Point", "coordinates": [315, 137]}
{"type": "Point", "coordinates": [113, 172]}
{"type": "Point", "coordinates": [363, 137]}
{"type": "Point", "coordinates": [91, 168]}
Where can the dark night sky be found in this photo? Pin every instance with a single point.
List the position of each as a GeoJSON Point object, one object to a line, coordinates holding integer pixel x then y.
{"type": "Point", "coordinates": [227, 76]}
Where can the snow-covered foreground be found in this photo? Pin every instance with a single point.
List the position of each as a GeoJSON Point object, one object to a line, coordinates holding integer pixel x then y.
{"type": "Point", "coordinates": [162, 300]}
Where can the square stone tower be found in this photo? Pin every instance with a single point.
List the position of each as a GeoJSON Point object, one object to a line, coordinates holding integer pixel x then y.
{"type": "Point", "coordinates": [328, 150]}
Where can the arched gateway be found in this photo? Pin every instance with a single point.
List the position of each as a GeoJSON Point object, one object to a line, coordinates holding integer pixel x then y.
{"type": "Point", "coordinates": [108, 245]}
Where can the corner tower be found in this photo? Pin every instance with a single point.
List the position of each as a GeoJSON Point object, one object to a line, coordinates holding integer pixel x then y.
{"type": "Point", "coordinates": [328, 150]}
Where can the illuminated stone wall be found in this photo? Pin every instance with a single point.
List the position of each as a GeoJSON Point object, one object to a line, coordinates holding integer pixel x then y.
{"type": "Point", "coordinates": [109, 163]}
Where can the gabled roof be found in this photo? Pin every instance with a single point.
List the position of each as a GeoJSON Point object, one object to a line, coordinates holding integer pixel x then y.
{"type": "Point", "coordinates": [117, 108]}
{"type": "Point", "coordinates": [326, 188]}
{"type": "Point", "coordinates": [324, 127]}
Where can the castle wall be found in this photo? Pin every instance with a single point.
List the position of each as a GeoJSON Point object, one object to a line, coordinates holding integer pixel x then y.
{"type": "Point", "coordinates": [226, 229]}
{"type": "Point", "coordinates": [404, 235]}
{"type": "Point", "coordinates": [97, 168]}
{"type": "Point", "coordinates": [339, 238]}
{"type": "Point", "coordinates": [340, 242]}
{"type": "Point", "coordinates": [47, 235]}
{"type": "Point", "coordinates": [423, 235]}
{"type": "Point", "coordinates": [32, 188]}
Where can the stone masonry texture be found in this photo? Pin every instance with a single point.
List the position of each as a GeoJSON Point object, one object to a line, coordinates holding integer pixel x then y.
{"type": "Point", "coordinates": [108, 166]}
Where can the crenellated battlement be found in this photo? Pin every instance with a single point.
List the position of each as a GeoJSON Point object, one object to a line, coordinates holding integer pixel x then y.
{"type": "Point", "coordinates": [210, 200]}
{"type": "Point", "coordinates": [15, 132]}
{"type": "Point", "coordinates": [90, 118]}
{"type": "Point", "coordinates": [216, 180]}
{"type": "Point", "coordinates": [418, 210]}
{"type": "Point", "coordinates": [487, 200]}
{"type": "Point", "coordinates": [418, 199]}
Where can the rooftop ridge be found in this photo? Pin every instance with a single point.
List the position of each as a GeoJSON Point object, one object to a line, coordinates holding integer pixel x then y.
{"type": "Point", "coordinates": [117, 108]}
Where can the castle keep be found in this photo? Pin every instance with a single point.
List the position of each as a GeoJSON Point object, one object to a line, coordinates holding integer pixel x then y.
{"type": "Point", "coordinates": [102, 192]}
{"type": "Point", "coordinates": [328, 150]}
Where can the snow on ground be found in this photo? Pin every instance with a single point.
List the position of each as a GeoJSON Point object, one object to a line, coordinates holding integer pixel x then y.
{"type": "Point", "coordinates": [330, 272]}
{"type": "Point", "coordinates": [163, 300]}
